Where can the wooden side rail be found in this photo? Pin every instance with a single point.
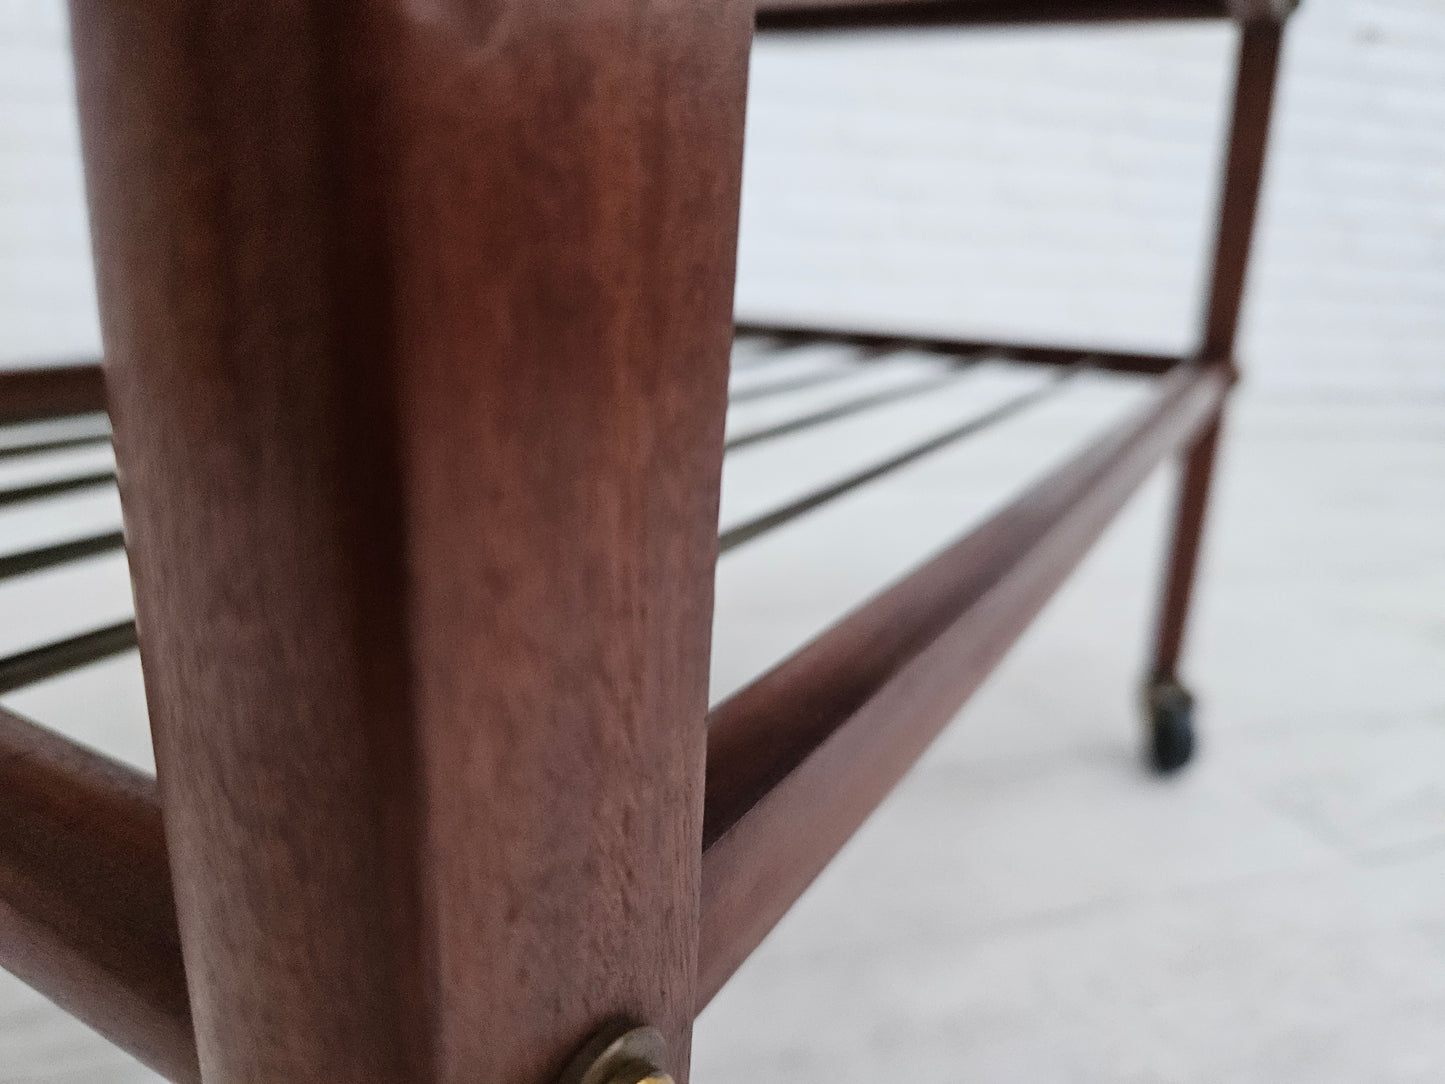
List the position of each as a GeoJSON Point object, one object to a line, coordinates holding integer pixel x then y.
{"type": "Point", "coordinates": [798, 759]}
{"type": "Point", "coordinates": [86, 913]}
{"type": "Point", "coordinates": [812, 15]}
{"type": "Point", "coordinates": [1121, 361]}
{"type": "Point", "coordinates": [31, 394]}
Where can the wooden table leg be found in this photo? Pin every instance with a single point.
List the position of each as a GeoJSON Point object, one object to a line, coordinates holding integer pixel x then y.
{"type": "Point", "coordinates": [417, 319]}
{"type": "Point", "coordinates": [1167, 702]}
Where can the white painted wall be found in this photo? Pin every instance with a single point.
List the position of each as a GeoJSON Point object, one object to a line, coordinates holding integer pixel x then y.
{"type": "Point", "coordinates": [1059, 185]}
{"type": "Point", "coordinates": [1046, 185]}
{"type": "Point", "coordinates": [47, 294]}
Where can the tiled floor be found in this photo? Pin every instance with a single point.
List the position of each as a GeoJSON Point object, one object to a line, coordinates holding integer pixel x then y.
{"type": "Point", "coordinates": [1030, 905]}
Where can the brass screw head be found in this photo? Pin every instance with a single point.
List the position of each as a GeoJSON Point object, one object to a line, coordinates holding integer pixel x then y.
{"type": "Point", "coordinates": [621, 1054]}
{"type": "Point", "coordinates": [654, 1076]}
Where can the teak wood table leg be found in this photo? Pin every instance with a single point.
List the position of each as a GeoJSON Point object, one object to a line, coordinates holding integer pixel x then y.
{"type": "Point", "coordinates": [417, 319]}
{"type": "Point", "coordinates": [1168, 703]}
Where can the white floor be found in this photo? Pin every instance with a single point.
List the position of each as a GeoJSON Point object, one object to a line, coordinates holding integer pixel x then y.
{"type": "Point", "coordinates": [1031, 905]}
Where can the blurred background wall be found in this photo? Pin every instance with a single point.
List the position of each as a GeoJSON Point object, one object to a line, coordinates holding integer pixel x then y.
{"type": "Point", "coordinates": [1044, 185]}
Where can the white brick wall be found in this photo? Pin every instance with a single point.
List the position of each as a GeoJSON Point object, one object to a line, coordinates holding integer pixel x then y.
{"type": "Point", "coordinates": [1047, 185]}
{"type": "Point", "coordinates": [1059, 186]}
{"type": "Point", "coordinates": [47, 296]}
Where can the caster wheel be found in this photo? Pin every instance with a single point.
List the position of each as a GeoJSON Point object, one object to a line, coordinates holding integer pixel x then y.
{"type": "Point", "coordinates": [1170, 710]}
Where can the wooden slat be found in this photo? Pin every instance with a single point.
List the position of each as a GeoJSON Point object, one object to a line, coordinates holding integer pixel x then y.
{"type": "Point", "coordinates": [32, 394]}
{"type": "Point", "coordinates": [417, 321]}
{"type": "Point", "coordinates": [1258, 67]}
{"type": "Point", "coordinates": [811, 15]}
{"type": "Point", "coordinates": [86, 912]}
{"type": "Point", "coordinates": [51, 660]}
{"type": "Point", "coordinates": [798, 759]}
{"type": "Point", "coordinates": [1255, 78]}
{"type": "Point", "coordinates": [838, 411]}
{"type": "Point", "coordinates": [59, 444]}
{"type": "Point", "coordinates": [1113, 360]}
{"type": "Point", "coordinates": [758, 526]}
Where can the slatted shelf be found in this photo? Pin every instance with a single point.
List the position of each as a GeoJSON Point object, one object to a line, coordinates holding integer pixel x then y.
{"type": "Point", "coordinates": [834, 412]}
{"type": "Point", "coordinates": [829, 463]}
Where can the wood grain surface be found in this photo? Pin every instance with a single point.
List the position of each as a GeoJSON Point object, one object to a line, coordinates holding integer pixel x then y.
{"type": "Point", "coordinates": [416, 322]}
{"type": "Point", "coordinates": [29, 394]}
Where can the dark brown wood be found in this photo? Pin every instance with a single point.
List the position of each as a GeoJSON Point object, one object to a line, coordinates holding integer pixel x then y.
{"type": "Point", "coordinates": [1258, 66]}
{"type": "Point", "coordinates": [814, 15]}
{"type": "Point", "coordinates": [42, 490]}
{"type": "Point", "coordinates": [789, 384]}
{"type": "Point", "coordinates": [798, 759]}
{"type": "Point", "coordinates": [1113, 360]}
{"type": "Point", "coordinates": [86, 912]}
{"type": "Point", "coordinates": [32, 394]}
{"type": "Point", "coordinates": [50, 660]}
{"type": "Point", "coordinates": [417, 322]}
{"type": "Point", "coordinates": [61, 553]}
{"type": "Point", "coordinates": [58, 445]}
{"type": "Point", "coordinates": [760, 525]}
